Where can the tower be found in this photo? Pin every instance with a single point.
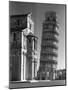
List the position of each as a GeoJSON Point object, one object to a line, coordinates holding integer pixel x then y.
{"type": "Point", "coordinates": [48, 54]}
{"type": "Point", "coordinates": [22, 42]}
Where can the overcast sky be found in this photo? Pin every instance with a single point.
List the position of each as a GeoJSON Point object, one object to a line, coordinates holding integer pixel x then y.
{"type": "Point", "coordinates": [38, 15]}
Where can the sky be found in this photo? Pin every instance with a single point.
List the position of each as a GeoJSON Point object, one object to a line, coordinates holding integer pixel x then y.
{"type": "Point", "coordinates": [38, 15]}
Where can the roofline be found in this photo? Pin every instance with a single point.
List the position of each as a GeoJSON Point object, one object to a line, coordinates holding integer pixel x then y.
{"type": "Point", "coordinates": [20, 15]}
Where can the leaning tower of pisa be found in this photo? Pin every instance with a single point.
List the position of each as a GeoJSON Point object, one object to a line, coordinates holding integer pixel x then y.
{"type": "Point", "coordinates": [48, 54]}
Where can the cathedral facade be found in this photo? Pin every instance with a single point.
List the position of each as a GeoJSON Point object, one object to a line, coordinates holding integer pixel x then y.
{"type": "Point", "coordinates": [23, 48]}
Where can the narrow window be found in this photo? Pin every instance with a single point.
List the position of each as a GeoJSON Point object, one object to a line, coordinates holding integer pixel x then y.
{"type": "Point", "coordinates": [14, 36]}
